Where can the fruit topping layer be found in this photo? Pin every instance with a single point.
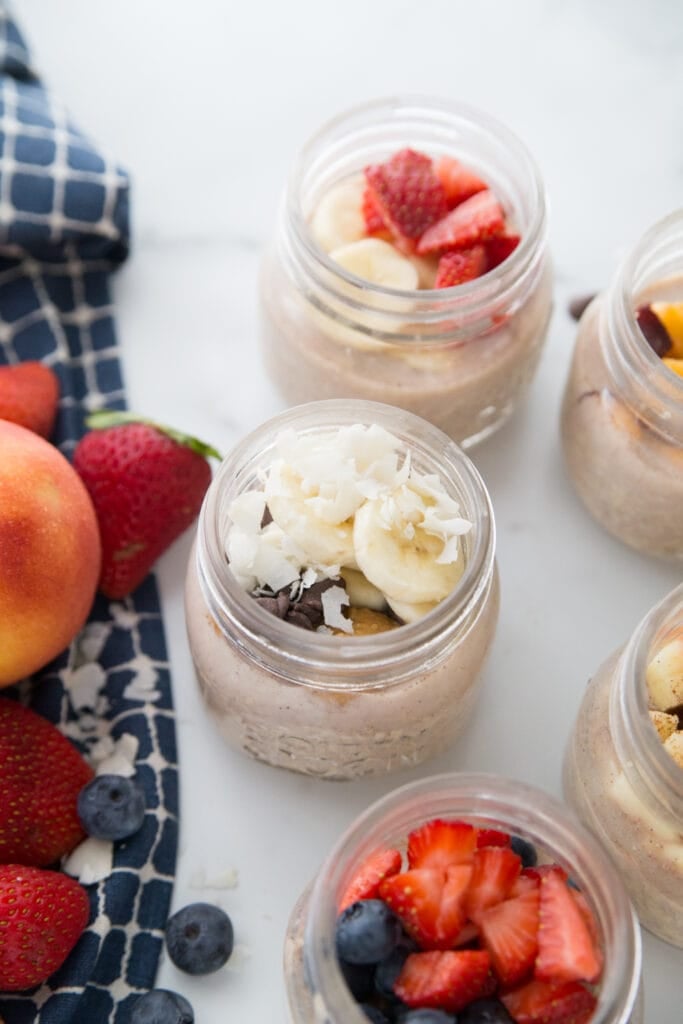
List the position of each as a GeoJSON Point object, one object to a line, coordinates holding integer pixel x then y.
{"type": "Point", "coordinates": [467, 922]}
{"type": "Point", "coordinates": [664, 678]}
{"type": "Point", "coordinates": [345, 535]}
{"type": "Point", "coordinates": [414, 222]}
{"type": "Point", "coordinates": [662, 326]}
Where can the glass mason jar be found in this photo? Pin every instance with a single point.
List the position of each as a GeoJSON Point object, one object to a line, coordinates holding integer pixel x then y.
{"type": "Point", "coordinates": [333, 706]}
{"type": "Point", "coordinates": [623, 783]}
{"type": "Point", "coordinates": [316, 990]}
{"type": "Point", "coordinates": [622, 415]}
{"type": "Point", "coordinates": [460, 357]}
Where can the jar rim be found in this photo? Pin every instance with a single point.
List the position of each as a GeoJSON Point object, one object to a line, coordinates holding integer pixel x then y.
{"type": "Point", "coordinates": [485, 798]}
{"type": "Point", "coordinates": [522, 263]}
{"type": "Point", "coordinates": [325, 656]}
{"type": "Point", "coordinates": [631, 725]}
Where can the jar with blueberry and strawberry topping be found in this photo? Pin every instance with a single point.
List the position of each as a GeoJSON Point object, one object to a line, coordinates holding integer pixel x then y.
{"type": "Point", "coordinates": [410, 266]}
{"type": "Point", "coordinates": [343, 594]}
{"type": "Point", "coordinates": [623, 771]}
{"type": "Point", "coordinates": [468, 898]}
{"type": "Point", "coordinates": [622, 415]}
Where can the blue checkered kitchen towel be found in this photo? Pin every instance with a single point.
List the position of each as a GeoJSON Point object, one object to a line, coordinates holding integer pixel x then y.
{"type": "Point", "coordinates": [63, 229]}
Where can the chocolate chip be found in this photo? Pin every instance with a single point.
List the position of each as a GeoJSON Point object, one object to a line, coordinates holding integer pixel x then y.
{"type": "Point", "coordinates": [298, 618]}
{"type": "Point", "coordinates": [266, 518]}
{"type": "Point", "coordinates": [654, 331]}
{"type": "Point", "coordinates": [273, 605]}
{"type": "Point", "coordinates": [578, 305]}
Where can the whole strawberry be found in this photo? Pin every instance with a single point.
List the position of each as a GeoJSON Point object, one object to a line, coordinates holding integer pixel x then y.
{"type": "Point", "coordinates": [40, 779]}
{"type": "Point", "coordinates": [42, 915]}
{"type": "Point", "coordinates": [29, 393]}
{"type": "Point", "coordinates": [147, 484]}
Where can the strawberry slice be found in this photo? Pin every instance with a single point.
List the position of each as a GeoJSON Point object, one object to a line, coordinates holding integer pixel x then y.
{"type": "Point", "coordinates": [374, 222]}
{"type": "Point", "coordinates": [460, 266]}
{"type": "Point", "coordinates": [459, 183]}
{"type": "Point", "coordinates": [492, 837]}
{"type": "Point", "coordinates": [550, 1002]}
{"type": "Point", "coordinates": [589, 919]}
{"type": "Point", "coordinates": [476, 220]}
{"type": "Point", "coordinates": [566, 949]}
{"type": "Point", "coordinates": [444, 980]}
{"type": "Point", "coordinates": [429, 902]}
{"type": "Point", "coordinates": [528, 881]}
{"type": "Point", "coordinates": [365, 883]}
{"type": "Point", "coordinates": [494, 870]}
{"type": "Point", "coordinates": [499, 248]}
{"type": "Point", "coordinates": [439, 844]}
{"type": "Point", "coordinates": [407, 194]}
{"type": "Point", "coordinates": [509, 931]}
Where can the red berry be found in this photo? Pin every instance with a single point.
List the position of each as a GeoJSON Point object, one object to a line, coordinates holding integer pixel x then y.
{"type": "Point", "coordinates": [460, 266]}
{"type": "Point", "coordinates": [459, 183]}
{"type": "Point", "coordinates": [654, 331]}
{"type": "Point", "coordinates": [499, 248]}
{"type": "Point", "coordinates": [446, 980]}
{"type": "Point", "coordinates": [440, 844]}
{"type": "Point", "coordinates": [476, 220]}
{"type": "Point", "coordinates": [566, 948]}
{"type": "Point", "coordinates": [495, 869]}
{"type": "Point", "coordinates": [42, 915]}
{"type": "Point", "coordinates": [407, 194]}
{"type": "Point", "coordinates": [492, 837]}
{"type": "Point", "coordinates": [509, 931]}
{"type": "Point", "coordinates": [39, 785]}
{"type": "Point", "coordinates": [429, 902]}
{"type": "Point", "coordinates": [550, 1002]}
{"type": "Point", "coordinates": [374, 222]}
{"type": "Point", "coordinates": [29, 393]}
{"type": "Point", "coordinates": [365, 883]}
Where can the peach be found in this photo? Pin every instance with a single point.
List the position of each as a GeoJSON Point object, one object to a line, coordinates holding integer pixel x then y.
{"type": "Point", "coordinates": [49, 553]}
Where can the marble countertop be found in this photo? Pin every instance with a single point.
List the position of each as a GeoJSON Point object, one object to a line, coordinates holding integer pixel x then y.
{"type": "Point", "coordinates": [206, 104]}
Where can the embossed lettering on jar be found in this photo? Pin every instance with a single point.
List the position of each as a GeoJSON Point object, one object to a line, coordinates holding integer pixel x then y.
{"type": "Point", "coordinates": [335, 705]}
{"type": "Point", "coordinates": [622, 414]}
{"type": "Point", "coordinates": [462, 357]}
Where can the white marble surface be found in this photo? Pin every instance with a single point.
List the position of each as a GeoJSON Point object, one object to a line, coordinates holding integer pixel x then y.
{"type": "Point", "coordinates": [206, 103]}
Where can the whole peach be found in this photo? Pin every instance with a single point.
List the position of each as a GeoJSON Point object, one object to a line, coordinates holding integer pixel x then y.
{"type": "Point", "coordinates": [49, 553]}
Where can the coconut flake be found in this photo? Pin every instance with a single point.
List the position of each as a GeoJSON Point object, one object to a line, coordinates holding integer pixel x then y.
{"type": "Point", "coordinates": [333, 600]}
{"type": "Point", "coordinates": [91, 861]}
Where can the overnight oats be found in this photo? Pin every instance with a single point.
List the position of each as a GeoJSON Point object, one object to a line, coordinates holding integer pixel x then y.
{"type": "Point", "coordinates": [468, 898]}
{"type": "Point", "coordinates": [624, 766]}
{"type": "Point", "coordinates": [410, 267]}
{"type": "Point", "coordinates": [343, 593]}
{"type": "Point", "coordinates": [622, 416]}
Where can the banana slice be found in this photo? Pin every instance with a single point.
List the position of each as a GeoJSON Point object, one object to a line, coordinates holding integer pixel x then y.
{"type": "Point", "coordinates": [362, 593]}
{"type": "Point", "coordinates": [293, 508]}
{"type": "Point", "coordinates": [411, 612]}
{"type": "Point", "coordinates": [664, 676]}
{"type": "Point", "coordinates": [338, 217]}
{"type": "Point", "coordinates": [666, 725]}
{"type": "Point", "coordinates": [633, 806]}
{"type": "Point", "coordinates": [378, 262]}
{"type": "Point", "coordinates": [398, 555]}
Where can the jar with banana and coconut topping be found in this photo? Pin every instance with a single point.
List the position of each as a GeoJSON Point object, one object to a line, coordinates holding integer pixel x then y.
{"type": "Point", "coordinates": [342, 594]}
{"type": "Point", "coordinates": [350, 310]}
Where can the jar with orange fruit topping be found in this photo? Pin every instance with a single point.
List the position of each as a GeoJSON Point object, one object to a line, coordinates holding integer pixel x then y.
{"type": "Point", "coordinates": [622, 415]}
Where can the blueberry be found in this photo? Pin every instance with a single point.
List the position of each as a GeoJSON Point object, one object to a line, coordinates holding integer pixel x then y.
{"type": "Point", "coordinates": [161, 1007]}
{"type": "Point", "coordinates": [373, 1014]}
{"type": "Point", "coordinates": [111, 807]}
{"type": "Point", "coordinates": [427, 1017]}
{"type": "Point", "coordinates": [359, 978]}
{"type": "Point", "coordinates": [390, 967]}
{"type": "Point", "coordinates": [199, 938]}
{"type": "Point", "coordinates": [485, 1011]}
{"type": "Point", "coordinates": [525, 850]}
{"type": "Point", "coordinates": [367, 931]}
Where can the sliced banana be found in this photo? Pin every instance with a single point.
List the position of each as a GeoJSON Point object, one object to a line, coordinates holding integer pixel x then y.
{"type": "Point", "coordinates": [377, 262]}
{"type": "Point", "coordinates": [338, 217]}
{"type": "Point", "coordinates": [674, 747]}
{"type": "Point", "coordinates": [665, 724]}
{"type": "Point", "coordinates": [664, 676]}
{"type": "Point", "coordinates": [397, 554]}
{"type": "Point", "coordinates": [411, 612]}
{"type": "Point", "coordinates": [294, 509]}
{"type": "Point", "coordinates": [631, 804]}
{"type": "Point", "coordinates": [362, 593]}
{"type": "Point", "coordinates": [427, 268]}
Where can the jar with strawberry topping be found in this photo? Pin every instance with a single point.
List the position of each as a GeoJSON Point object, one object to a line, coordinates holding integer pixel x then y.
{"type": "Point", "coordinates": [410, 266]}
{"type": "Point", "coordinates": [465, 897]}
{"type": "Point", "coordinates": [343, 595]}
{"type": "Point", "coordinates": [622, 414]}
{"type": "Point", "coordinates": [623, 770]}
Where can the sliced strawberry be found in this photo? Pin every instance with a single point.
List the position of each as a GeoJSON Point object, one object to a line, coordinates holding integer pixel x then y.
{"type": "Point", "coordinates": [550, 1002]}
{"type": "Point", "coordinates": [495, 869]}
{"type": "Point", "coordinates": [499, 248]}
{"type": "Point", "coordinates": [459, 183]}
{"type": "Point", "coordinates": [444, 980]}
{"type": "Point", "coordinates": [407, 194]}
{"type": "Point", "coordinates": [509, 932]}
{"type": "Point", "coordinates": [460, 266]}
{"type": "Point", "coordinates": [429, 902]}
{"type": "Point", "coordinates": [539, 871]}
{"type": "Point", "coordinates": [365, 883]}
{"type": "Point", "coordinates": [475, 220]}
{"type": "Point", "coordinates": [492, 837]}
{"type": "Point", "coordinates": [566, 949]}
{"type": "Point", "coordinates": [374, 222]}
{"type": "Point", "coordinates": [468, 933]}
{"type": "Point", "coordinates": [588, 917]}
{"type": "Point", "coordinates": [527, 881]}
{"type": "Point", "coordinates": [439, 844]}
